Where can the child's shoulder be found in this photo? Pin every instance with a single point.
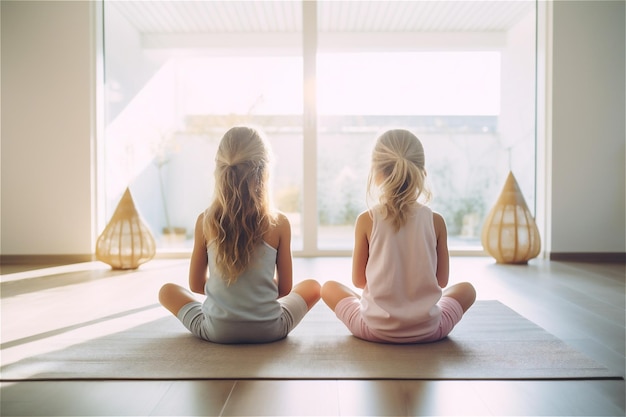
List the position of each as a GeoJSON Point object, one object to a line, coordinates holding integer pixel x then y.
{"type": "Point", "coordinates": [280, 222]}
{"type": "Point", "coordinates": [279, 230]}
{"type": "Point", "coordinates": [439, 223]}
{"type": "Point", "coordinates": [365, 219]}
{"type": "Point", "coordinates": [364, 215]}
{"type": "Point", "coordinates": [280, 218]}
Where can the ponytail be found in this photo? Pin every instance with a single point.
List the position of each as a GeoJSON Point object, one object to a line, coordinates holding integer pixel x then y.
{"type": "Point", "coordinates": [398, 166]}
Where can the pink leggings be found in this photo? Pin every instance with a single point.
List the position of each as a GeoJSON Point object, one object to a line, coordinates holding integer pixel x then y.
{"type": "Point", "coordinates": [348, 311]}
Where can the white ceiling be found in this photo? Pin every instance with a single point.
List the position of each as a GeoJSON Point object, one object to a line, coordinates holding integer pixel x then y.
{"type": "Point", "coordinates": [273, 16]}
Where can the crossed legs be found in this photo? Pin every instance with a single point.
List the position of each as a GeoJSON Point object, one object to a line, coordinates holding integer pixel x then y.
{"type": "Point", "coordinates": [173, 297]}
{"type": "Point", "coordinates": [333, 292]}
{"type": "Point", "coordinates": [463, 292]}
{"type": "Point", "coordinates": [309, 289]}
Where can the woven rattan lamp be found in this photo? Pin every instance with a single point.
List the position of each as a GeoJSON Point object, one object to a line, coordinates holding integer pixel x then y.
{"type": "Point", "coordinates": [510, 233]}
{"type": "Point", "coordinates": [126, 241]}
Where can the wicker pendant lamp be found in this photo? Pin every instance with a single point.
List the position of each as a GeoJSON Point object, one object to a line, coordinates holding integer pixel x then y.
{"type": "Point", "coordinates": [126, 241]}
{"type": "Point", "coordinates": [510, 233]}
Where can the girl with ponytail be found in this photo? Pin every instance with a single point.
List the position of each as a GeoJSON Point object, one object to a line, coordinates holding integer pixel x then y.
{"type": "Point", "coordinates": [245, 247]}
{"type": "Point", "coordinates": [400, 258]}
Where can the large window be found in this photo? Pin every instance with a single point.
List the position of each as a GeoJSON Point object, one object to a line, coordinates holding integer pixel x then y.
{"type": "Point", "coordinates": [450, 99]}
{"type": "Point", "coordinates": [169, 105]}
{"type": "Point", "coordinates": [179, 74]}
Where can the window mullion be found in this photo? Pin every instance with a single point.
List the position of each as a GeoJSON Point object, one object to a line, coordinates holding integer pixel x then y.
{"type": "Point", "coordinates": [309, 155]}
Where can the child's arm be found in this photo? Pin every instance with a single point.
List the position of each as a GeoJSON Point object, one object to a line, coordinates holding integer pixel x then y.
{"type": "Point", "coordinates": [443, 257]}
{"type": "Point", "coordinates": [360, 255]}
{"type": "Point", "coordinates": [284, 266]}
{"type": "Point", "coordinates": [199, 259]}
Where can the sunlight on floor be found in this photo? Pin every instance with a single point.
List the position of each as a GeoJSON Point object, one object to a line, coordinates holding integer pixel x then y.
{"type": "Point", "coordinates": [37, 344]}
{"type": "Point", "coordinates": [53, 270]}
{"type": "Point", "coordinates": [75, 303]}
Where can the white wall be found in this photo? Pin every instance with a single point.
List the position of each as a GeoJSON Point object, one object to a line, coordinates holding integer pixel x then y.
{"type": "Point", "coordinates": [47, 128]}
{"type": "Point", "coordinates": [516, 122]}
{"type": "Point", "coordinates": [588, 139]}
{"type": "Point", "coordinates": [47, 80]}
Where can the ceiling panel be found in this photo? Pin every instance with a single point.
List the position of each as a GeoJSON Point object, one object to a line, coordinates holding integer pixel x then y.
{"type": "Point", "coordinates": [197, 17]}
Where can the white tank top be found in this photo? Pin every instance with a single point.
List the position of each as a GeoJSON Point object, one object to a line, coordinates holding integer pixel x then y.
{"type": "Point", "coordinates": [401, 295]}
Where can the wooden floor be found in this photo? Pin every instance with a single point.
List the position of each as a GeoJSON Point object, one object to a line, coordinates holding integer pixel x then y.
{"type": "Point", "coordinates": [582, 304]}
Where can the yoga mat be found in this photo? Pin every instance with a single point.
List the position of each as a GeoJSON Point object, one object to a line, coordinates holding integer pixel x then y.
{"type": "Point", "coordinates": [491, 342]}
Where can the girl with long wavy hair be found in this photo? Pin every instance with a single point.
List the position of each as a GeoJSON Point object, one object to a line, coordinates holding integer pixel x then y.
{"type": "Point", "coordinates": [245, 247]}
{"type": "Point", "coordinates": [400, 257]}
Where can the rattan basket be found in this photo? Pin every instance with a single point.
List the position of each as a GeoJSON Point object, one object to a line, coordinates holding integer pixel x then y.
{"type": "Point", "coordinates": [510, 233]}
{"type": "Point", "coordinates": [126, 241]}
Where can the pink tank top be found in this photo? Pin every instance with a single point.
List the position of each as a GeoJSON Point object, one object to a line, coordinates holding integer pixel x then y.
{"type": "Point", "coordinates": [401, 295]}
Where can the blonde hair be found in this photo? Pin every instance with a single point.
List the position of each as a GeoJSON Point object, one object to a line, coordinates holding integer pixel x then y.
{"type": "Point", "coordinates": [240, 214]}
{"type": "Point", "coordinates": [398, 170]}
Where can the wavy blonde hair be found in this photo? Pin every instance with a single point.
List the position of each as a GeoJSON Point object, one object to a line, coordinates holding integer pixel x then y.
{"type": "Point", "coordinates": [240, 214]}
{"type": "Point", "coordinates": [398, 173]}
